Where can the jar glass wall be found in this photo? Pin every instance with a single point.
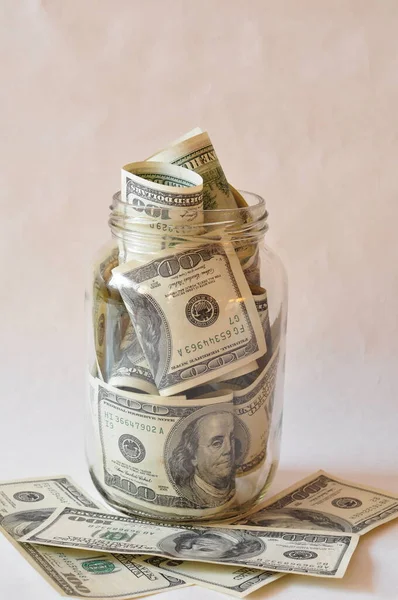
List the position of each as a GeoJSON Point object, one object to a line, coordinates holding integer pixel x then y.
{"type": "Point", "coordinates": [186, 364]}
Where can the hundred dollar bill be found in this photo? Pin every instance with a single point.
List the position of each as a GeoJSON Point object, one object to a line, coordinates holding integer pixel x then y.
{"type": "Point", "coordinates": [194, 151]}
{"type": "Point", "coordinates": [324, 502]}
{"type": "Point", "coordinates": [132, 368]}
{"type": "Point", "coordinates": [194, 315]}
{"type": "Point", "coordinates": [171, 454]}
{"type": "Point", "coordinates": [236, 581]}
{"type": "Point", "coordinates": [290, 551]}
{"type": "Point", "coordinates": [26, 503]}
{"type": "Point", "coordinates": [252, 407]}
{"type": "Point", "coordinates": [320, 502]}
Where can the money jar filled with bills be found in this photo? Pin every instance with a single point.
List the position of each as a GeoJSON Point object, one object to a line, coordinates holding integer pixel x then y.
{"type": "Point", "coordinates": [187, 315]}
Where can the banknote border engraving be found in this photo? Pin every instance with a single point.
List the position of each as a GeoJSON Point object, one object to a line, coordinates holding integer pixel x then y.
{"type": "Point", "coordinates": [49, 569]}
{"type": "Point", "coordinates": [125, 560]}
{"type": "Point", "coordinates": [175, 201]}
{"type": "Point", "coordinates": [208, 177]}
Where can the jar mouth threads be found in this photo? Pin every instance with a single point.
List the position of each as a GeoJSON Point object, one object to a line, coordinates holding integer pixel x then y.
{"type": "Point", "coordinates": [244, 224]}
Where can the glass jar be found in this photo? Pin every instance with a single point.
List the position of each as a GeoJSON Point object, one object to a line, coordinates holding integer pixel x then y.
{"type": "Point", "coordinates": [203, 446]}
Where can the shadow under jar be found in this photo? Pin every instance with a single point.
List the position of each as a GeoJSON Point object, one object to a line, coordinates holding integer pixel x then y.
{"type": "Point", "coordinates": [186, 333]}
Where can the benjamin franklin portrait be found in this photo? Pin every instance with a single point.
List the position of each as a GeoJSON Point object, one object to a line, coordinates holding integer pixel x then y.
{"type": "Point", "coordinates": [202, 464]}
{"type": "Point", "coordinates": [21, 523]}
{"type": "Point", "coordinates": [216, 544]}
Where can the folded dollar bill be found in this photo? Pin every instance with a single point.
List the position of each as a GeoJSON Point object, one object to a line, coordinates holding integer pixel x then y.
{"type": "Point", "coordinates": [194, 151]}
{"type": "Point", "coordinates": [194, 315]}
{"type": "Point", "coordinates": [172, 455]}
{"type": "Point", "coordinates": [320, 502]}
{"type": "Point", "coordinates": [291, 551]}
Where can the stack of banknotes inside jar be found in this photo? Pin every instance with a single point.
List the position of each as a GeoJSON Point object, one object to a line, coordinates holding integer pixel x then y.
{"type": "Point", "coordinates": [186, 369]}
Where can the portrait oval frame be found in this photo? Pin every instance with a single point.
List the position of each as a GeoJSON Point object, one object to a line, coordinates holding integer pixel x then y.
{"type": "Point", "coordinates": [174, 437]}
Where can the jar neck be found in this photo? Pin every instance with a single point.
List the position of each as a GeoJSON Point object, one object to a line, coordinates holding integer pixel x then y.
{"type": "Point", "coordinates": [150, 229]}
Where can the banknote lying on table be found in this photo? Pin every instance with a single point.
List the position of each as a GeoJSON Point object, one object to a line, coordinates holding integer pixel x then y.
{"type": "Point", "coordinates": [26, 503]}
{"type": "Point", "coordinates": [311, 528]}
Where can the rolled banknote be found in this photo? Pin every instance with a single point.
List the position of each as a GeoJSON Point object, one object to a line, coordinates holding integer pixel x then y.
{"type": "Point", "coordinates": [194, 151]}
{"type": "Point", "coordinates": [159, 202]}
{"type": "Point", "coordinates": [293, 551]}
{"type": "Point", "coordinates": [26, 503]}
{"type": "Point", "coordinates": [170, 455]}
{"type": "Point", "coordinates": [132, 371]}
{"type": "Point", "coordinates": [194, 315]}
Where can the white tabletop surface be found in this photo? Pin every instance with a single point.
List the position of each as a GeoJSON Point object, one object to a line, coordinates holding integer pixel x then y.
{"type": "Point", "coordinates": [300, 99]}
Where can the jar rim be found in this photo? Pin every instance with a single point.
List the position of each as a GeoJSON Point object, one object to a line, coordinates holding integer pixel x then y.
{"type": "Point", "coordinates": [261, 203]}
{"type": "Point", "coordinates": [246, 224]}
